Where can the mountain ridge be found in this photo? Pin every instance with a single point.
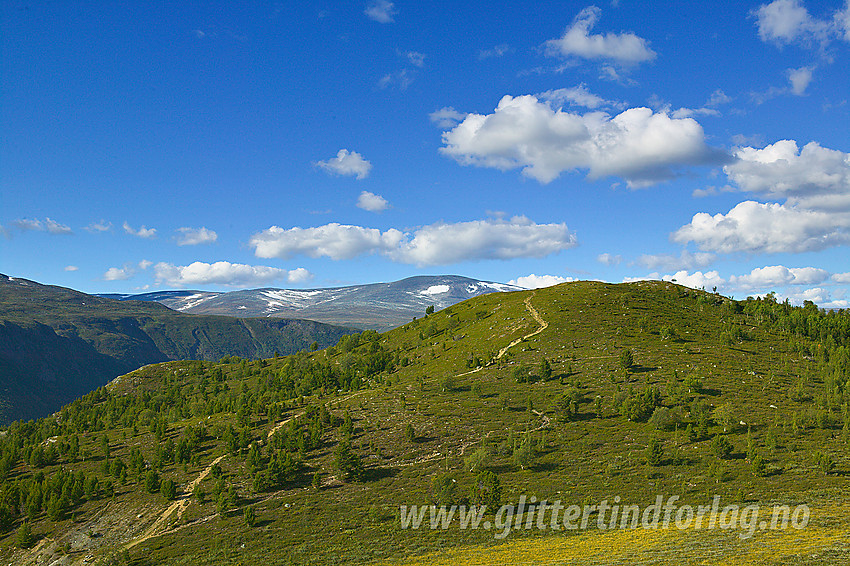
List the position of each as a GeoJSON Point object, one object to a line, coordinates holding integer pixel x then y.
{"type": "Point", "coordinates": [57, 344]}
{"type": "Point", "coordinates": [374, 306]}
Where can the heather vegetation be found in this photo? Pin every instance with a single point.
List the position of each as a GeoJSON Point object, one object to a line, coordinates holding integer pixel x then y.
{"type": "Point", "coordinates": [631, 390]}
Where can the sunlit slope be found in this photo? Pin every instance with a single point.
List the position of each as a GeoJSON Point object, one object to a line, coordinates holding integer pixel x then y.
{"type": "Point", "coordinates": [734, 406]}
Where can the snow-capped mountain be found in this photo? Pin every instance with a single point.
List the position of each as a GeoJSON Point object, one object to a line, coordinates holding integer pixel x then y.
{"type": "Point", "coordinates": [377, 305]}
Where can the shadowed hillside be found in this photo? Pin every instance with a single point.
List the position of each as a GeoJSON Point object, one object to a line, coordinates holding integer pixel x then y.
{"type": "Point", "coordinates": [57, 344]}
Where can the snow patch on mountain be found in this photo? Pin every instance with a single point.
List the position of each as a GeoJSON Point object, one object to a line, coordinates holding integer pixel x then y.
{"type": "Point", "coordinates": [435, 290]}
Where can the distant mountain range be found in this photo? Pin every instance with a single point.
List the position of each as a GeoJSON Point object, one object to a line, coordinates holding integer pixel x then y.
{"type": "Point", "coordinates": [378, 306]}
{"type": "Point", "coordinates": [57, 344]}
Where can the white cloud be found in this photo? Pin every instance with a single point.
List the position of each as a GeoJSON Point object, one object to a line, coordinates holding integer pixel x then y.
{"type": "Point", "coordinates": [577, 96]}
{"type": "Point", "coordinates": [623, 48]}
{"type": "Point", "coordinates": [533, 281]}
{"type": "Point", "coordinates": [56, 228]}
{"type": "Point", "coordinates": [718, 98]}
{"type": "Point", "coordinates": [381, 11]}
{"type": "Point", "coordinates": [435, 244]}
{"type": "Point", "coordinates": [685, 260]}
{"type": "Point", "coordinates": [225, 273]}
{"type": "Point", "coordinates": [639, 145]}
{"type": "Point", "coordinates": [689, 112]}
{"type": "Point", "coordinates": [786, 282]}
{"type": "Point", "coordinates": [754, 227]}
{"type": "Point", "coordinates": [813, 176]}
{"type": "Point", "coordinates": [440, 244]}
{"type": "Point", "coordinates": [697, 280]}
{"type": "Point", "coordinates": [446, 117]}
{"type": "Point", "coordinates": [608, 259]}
{"type": "Point", "coordinates": [299, 275]}
{"type": "Point", "coordinates": [102, 226]}
{"type": "Point", "coordinates": [800, 79]}
{"type": "Point", "coordinates": [842, 21]}
{"type": "Point", "coordinates": [195, 236]}
{"type": "Point", "coordinates": [497, 51]}
{"type": "Point", "coordinates": [372, 202]}
{"type": "Point", "coordinates": [122, 273]}
{"type": "Point", "coordinates": [779, 276]}
{"type": "Point", "coordinates": [26, 224]}
{"type": "Point", "coordinates": [788, 21]}
{"type": "Point", "coordinates": [71, 268]}
{"type": "Point", "coordinates": [336, 241]}
{"type": "Point", "coordinates": [813, 180]}
{"type": "Point", "coordinates": [142, 232]}
{"type": "Point", "coordinates": [818, 295]}
{"type": "Point", "coordinates": [119, 273]}
{"type": "Point", "coordinates": [347, 163]}
{"type": "Point", "coordinates": [47, 225]}
{"type": "Point", "coordinates": [415, 58]}
{"type": "Point", "coordinates": [400, 79]}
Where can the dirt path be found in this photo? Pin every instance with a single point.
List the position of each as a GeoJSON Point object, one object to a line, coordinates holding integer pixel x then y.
{"type": "Point", "coordinates": [179, 506]}
{"type": "Point", "coordinates": [543, 326]}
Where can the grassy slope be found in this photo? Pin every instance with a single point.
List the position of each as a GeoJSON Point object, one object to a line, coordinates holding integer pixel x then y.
{"type": "Point", "coordinates": [590, 459]}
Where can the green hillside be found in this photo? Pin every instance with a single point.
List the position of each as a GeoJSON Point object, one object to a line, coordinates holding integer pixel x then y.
{"type": "Point", "coordinates": [580, 393]}
{"type": "Point", "coordinates": [57, 344]}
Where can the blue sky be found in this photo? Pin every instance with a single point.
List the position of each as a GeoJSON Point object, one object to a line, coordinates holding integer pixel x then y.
{"type": "Point", "coordinates": [155, 145]}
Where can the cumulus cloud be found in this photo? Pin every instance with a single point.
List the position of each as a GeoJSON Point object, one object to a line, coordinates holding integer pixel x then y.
{"type": "Point", "coordinates": [608, 259]}
{"type": "Point", "coordinates": [336, 241]}
{"type": "Point", "coordinates": [533, 281]}
{"type": "Point", "coordinates": [624, 48]}
{"type": "Point", "coordinates": [446, 117]}
{"type": "Point", "coordinates": [372, 202]}
{"type": "Point", "coordinates": [785, 281]}
{"type": "Point", "coordinates": [47, 225]}
{"type": "Point", "coordinates": [225, 273]}
{"type": "Point", "coordinates": [71, 268]}
{"type": "Point", "coordinates": [121, 273]}
{"type": "Point", "coordinates": [685, 260]}
{"type": "Point", "coordinates": [440, 244]}
{"type": "Point", "coordinates": [755, 227]}
{"type": "Point", "coordinates": [102, 226]}
{"type": "Point", "coordinates": [577, 96]}
{"type": "Point", "coordinates": [813, 180]}
{"type": "Point", "coordinates": [381, 11]}
{"type": "Point", "coordinates": [434, 244]}
{"type": "Point", "coordinates": [195, 236]}
{"type": "Point", "coordinates": [779, 276]}
{"type": "Point", "coordinates": [788, 21]}
{"type": "Point", "coordinates": [142, 232]}
{"type": "Point", "coordinates": [696, 280]}
{"type": "Point", "coordinates": [813, 176]}
{"type": "Point", "coordinates": [347, 163]}
{"type": "Point", "coordinates": [118, 273]}
{"type": "Point", "coordinates": [800, 79]}
{"type": "Point", "coordinates": [638, 144]}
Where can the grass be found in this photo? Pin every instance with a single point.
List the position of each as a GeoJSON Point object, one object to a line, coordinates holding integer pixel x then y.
{"type": "Point", "coordinates": [598, 455]}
